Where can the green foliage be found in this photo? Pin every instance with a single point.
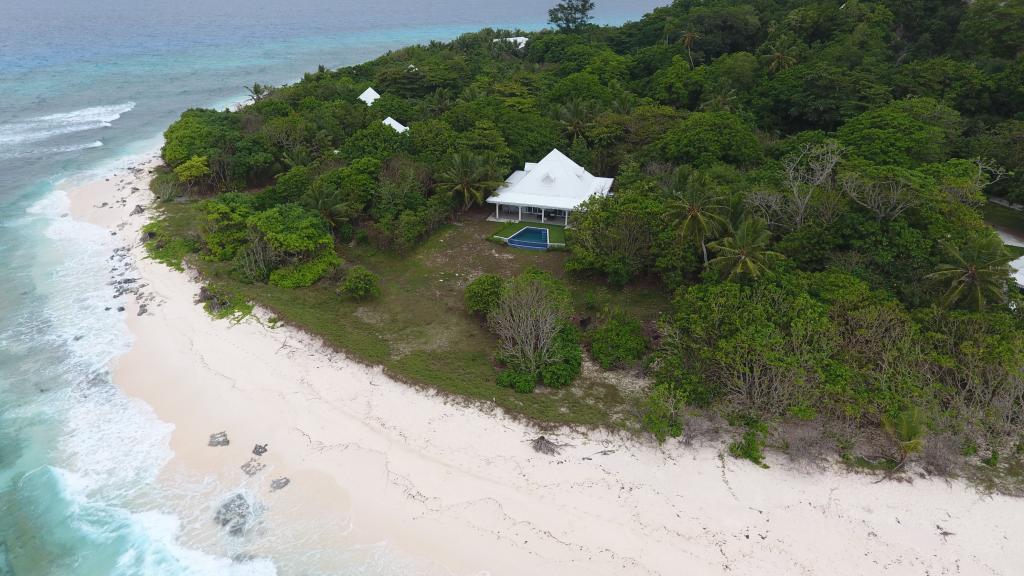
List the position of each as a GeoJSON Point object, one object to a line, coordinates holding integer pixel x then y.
{"type": "Point", "coordinates": [907, 429]}
{"type": "Point", "coordinates": [360, 284]}
{"type": "Point", "coordinates": [571, 15]}
{"type": "Point", "coordinates": [619, 341]}
{"type": "Point", "coordinates": [306, 272]}
{"type": "Point", "coordinates": [521, 382]}
{"type": "Point", "coordinates": [705, 138]}
{"type": "Point", "coordinates": [166, 248]}
{"type": "Point", "coordinates": [905, 133]}
{"type": "Point", "coordinates": [568, 358]}
{"type": "Point", "coordinates": [750, 446]}
{"type": "Point", "coordinates": [661, 411]}
{"type": "Point", "coordinates": [227, 225]}
{"type": "Point", "coordinates": [483, 293]}
{"type": "Point", "coordinates": [192, 171]}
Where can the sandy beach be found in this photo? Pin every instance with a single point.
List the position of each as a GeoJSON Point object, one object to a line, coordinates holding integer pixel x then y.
{"type": "Point", "coordinates": [379, 471]}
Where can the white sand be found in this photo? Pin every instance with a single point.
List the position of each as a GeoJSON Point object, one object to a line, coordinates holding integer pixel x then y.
{"type": "Point", "coordinates": [382, 470]}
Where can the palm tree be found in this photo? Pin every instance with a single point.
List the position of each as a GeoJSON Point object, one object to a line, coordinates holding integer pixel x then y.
{"type": "Point", "coordinates": [575, 116]}
{"type": "Point", "coordinates": [780, 57]}
{"type": "Point", "coordinates": [688, 39]}
{"type": "Point", "coordinates": [698, 208]}
{"type": "Point", "coordinates": [327, 202]}
{"type": "Point", "coordinates": [974, 274]}
{"type": "Point", "coordinates": [745, 253]}
{"type": "Point", "coordinates": [907, 430]}
{"type": "Point", "coordinates": [258, 92]}
{"type": "Point", "coordinates": [440, 101]}
{"type": "Point", "coordinates": [468, 176]}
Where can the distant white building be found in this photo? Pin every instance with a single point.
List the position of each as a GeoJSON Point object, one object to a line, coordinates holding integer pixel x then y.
{"type": "Point", "coordinates": [519, 41]}
{"type": "Point", "coordinates": [546, 191]}
{"type": "Point", "coordinates": [369, 96]}
{"type": "Point", "coordinates": [395, 125]}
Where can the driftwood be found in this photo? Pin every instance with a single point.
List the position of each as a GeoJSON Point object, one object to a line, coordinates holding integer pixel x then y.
{"type": "Point", "coordinates": [545, 446]}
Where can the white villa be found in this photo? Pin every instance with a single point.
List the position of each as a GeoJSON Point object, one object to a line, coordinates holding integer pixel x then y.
{"type": "Point", "coordinates": [395, 125]}
{"type": "Point", "coordinates": [546, 191]}
{"type": "Point", "coordinates": [369, 96]}
{"type": "Point", "coordinates": [519, 41]}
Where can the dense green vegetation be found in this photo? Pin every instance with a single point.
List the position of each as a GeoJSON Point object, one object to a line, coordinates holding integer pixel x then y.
{"type": "Point", "coordinates": [795, 235]}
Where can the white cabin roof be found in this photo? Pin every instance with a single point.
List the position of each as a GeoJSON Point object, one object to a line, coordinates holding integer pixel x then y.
{"type": "Point", "coordinates": [556, 182]}
{"type": "Point", "coordinates": [369, 96]}
{"type": "Point", "coordinates": [396, 125]}
{"type": "Point", "coordinates": [520, 41]}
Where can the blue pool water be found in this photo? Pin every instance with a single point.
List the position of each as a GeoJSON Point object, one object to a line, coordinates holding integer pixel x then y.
{"type": "Point", "coordinates": [87, 84]}
{"type": "Point", "coordinates": [530, 238]}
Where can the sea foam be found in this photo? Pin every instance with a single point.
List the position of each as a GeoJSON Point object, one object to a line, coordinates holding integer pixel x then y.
{"type": "Point", "coordinates": [45, 127]}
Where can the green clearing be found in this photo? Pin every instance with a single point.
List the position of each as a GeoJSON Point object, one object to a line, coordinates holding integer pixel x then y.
{"type": "Point", "coordinates": [418, 329]}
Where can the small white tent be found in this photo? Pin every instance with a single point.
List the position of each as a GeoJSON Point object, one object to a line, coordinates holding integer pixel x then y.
{"type": "Point", "coordinates": [395, 125]}
{"type": "Point", "coordinates": [369, 96]}
{"type": "Point", "coordinates": [547, 191]}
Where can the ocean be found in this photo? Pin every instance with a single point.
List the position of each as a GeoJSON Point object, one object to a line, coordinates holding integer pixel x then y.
{"type": "Point", "coordinates": [87, 86]}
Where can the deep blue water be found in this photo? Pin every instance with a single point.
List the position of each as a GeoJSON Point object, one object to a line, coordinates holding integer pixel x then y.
{"type": "Point", "coordinates": [86, 84]}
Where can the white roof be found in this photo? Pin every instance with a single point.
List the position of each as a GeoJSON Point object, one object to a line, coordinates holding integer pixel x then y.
{"type": "Point", "coordinates": [396, 125]}
{"type": "Point", "coordinates": [555, 182]}
{"type": "Point", "coordinates": [369, 96]}
{"type": "Point", "coordinates": [520, 41]}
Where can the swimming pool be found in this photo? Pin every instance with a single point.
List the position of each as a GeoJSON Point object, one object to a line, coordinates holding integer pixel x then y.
{"type": "Point", "coordinates": [530, 238]}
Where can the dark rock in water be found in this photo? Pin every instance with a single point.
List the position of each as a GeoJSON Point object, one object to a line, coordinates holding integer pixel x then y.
{"type": "Point", "coordinates": [137, 210]}
{"type": "Point", "coordinates": [107, 308]}
{"type": "Point", "coordinates": [279, 483]}
{"type": "Point", "coordinates": [243, 557]}
{"type": "Point", "coordinates": [219, 439]}
{"type": "Point", "coordinates": [120, 308]}
{"type": "Point", "coordinates": [260, 449]}
{"type": "Point", "coordinates": [79, 337]}
{"type": "Point", "coordinates": [142, 309]}
{"type": "Point", "coordinates": [252, 467]}
{"type": "Point", "coordinates": [235, 514]}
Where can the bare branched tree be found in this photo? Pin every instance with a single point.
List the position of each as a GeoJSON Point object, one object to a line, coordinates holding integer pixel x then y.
{"type": "Point", "coordinates": [526, 321]}
{"type": "Point", "coordinates": [805, 174]}
{"type": "Point", "coordinates": [968, 191]}
{"type": "Point", "coordinates": [886, 199]}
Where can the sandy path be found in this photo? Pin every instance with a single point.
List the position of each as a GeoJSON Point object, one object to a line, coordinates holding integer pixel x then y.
{"type": "Point", "coordinates": [396, 480]}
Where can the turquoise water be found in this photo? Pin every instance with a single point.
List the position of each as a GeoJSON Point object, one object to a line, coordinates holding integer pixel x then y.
{"type": "Point", "coordinates": [530, 237]}
{"type": "Point", "coordinates": [88, 84]}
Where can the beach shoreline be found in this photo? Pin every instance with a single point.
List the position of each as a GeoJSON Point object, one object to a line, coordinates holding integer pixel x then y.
{"type": "Point", "coordinates": [396, 476]}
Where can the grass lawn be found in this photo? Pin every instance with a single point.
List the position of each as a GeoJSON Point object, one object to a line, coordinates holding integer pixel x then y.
{"type": "Point", "coordinates": [556, 234]}
{"type": "Point", "coordinates": [419, 331]}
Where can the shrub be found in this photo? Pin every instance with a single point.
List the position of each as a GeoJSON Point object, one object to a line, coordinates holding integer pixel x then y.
{"type": "Point", "coordinates": [360, 284]}
{"type": "Point", "coordinates": [306, 273]}
{"type": "Point", "coordinates": [519, 381]}
{"type": "Point", "coordinates": [661, 415]}
{"type": "Point", "coordinates": [569, 358]}
{"type": "Point", "coordinates": [482, 295]}
{"type": "Point", "coordinates": [617, 342]}
{"type": "Point", "coordinates": [750, 446]}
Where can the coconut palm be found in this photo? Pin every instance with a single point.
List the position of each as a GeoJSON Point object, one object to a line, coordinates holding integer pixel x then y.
{"type": "Point", "coordinates": [975, 274]}
{"type": "Point", "coordinates": [698, 208]}
{"type": "Point", "coordinates": [745, 253]}
{"type": "Point", "coordinates": [258, 91]}
{"type": "Point", "coordinates": [575, 116]}
{"type": "Point", "coordinates": [468, 176]}
{"type": "Point", "coordinates": [688, 38]}
{"type": "Point", "coordinates": [328, 203]}
{"type": "Point", "coordinates": [906, 429]}
{"type": "Point", "coordinates": [780, 56]}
